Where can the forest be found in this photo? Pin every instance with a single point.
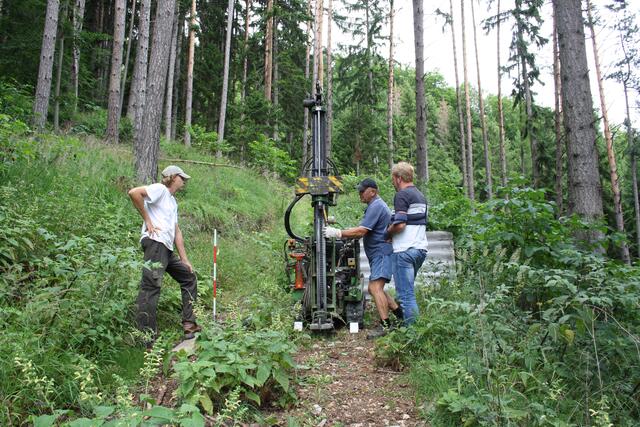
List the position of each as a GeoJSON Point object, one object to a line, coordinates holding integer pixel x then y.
{"type": "Point", "coordinates": [539, 325]}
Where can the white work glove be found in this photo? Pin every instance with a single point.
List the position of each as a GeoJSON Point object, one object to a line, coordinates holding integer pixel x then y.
{"type": "Point", "coordinates": [330, 232]}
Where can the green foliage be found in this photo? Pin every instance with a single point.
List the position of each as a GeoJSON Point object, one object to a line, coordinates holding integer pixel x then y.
{"type": "Point", "coordinates": [207, 141]}
{"type": "Point", "coordinates": [266, 156]}
{"type": "Point", "coordinates": [535, 330]}
{"type": "Point", "coordinates": [254, 365]}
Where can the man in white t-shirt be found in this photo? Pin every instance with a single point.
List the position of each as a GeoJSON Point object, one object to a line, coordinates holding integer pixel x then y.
{"type": "Point", "coordinates": [160, 232]}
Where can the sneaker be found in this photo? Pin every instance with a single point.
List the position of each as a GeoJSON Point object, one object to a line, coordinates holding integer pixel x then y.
{"type": "Point", "coordinates": [377, 332]}
{"type": "Point", "coordinates": [190, 329]}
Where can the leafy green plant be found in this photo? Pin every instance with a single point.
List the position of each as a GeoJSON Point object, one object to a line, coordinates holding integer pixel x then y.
{"type": "Point", "coordinates": [266, 156]}
{"type": "Point", "coordinates": [254, 364]}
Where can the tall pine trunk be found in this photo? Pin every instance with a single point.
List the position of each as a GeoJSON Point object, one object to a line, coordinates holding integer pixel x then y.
{"type": "Point", "coordinates": [611, 156]}
{"type": "Point", "coordinates": [318, 71]}
{"type": "Point", "coordinates": [585, 191]}
{"type": "Point", "coordinates": [168, 102]}
{"type": "Point", "coordinates": [127, 55]}
{"type": "Point", "coordinates": [305, 129]}
{"type": "Point", "coordinates": [421, 110]}
{"type": "Point", "coordinates": [268, 51]}
{"type": "Point", "coordinates": [78, 19]}
{"type": "Point", "coordinates": [113, 113]}
{"type": "Point", "coordinates": [147, 155]}
{"type": "Point", "coordinates": [467, 101]}
{"type": "Point", "coordinates": [329, 129]}
{"type": "Point", "coordinates": [274, 83]}
{"type": "Point", "coordinates": [503, 154]}
{"type": "Point", "coordinates": [176, 77]}
{"type": "Point", "coordinates": [483, 120]}
{"type": "Point", "coordinates": [390, 89]}
{"type": "Point", "coordinates": [138, 89]}
{"type": "Point", "coordinates": [189, 101]}
{"type": "Point", "coordinates": [558, 121]}
{"type": "Point", "coordinates": [461, 125]}
{"type": "Point", "coordinates": [225, 78]}
{"type": "Point", "coordinates": [43, 88]}
{"type": "Point", "coordinates": [56, 108]}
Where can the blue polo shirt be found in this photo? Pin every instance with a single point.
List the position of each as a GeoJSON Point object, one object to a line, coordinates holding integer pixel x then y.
{"type": "Point", "coordinates": [376, 219]}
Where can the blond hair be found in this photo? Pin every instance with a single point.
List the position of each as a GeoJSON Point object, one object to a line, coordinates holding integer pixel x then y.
{"type": "Point", "coordinates": [168, 180]}
{"type": "Point", "coordinates": [403, 170]}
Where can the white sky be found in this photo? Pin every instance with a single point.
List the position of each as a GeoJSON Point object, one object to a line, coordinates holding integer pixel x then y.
{"type": "Point", "coordinates": [439, 53]}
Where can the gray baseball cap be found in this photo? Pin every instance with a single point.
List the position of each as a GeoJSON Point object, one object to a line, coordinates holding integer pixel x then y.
{"type": "Point", "coordinates": [174, 170]}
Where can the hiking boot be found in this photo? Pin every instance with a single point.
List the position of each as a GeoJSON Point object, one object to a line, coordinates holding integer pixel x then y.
{"type": "Point", "coordinates": [377, 332]}
{"type": "Point", "coordinates": [190, 329]}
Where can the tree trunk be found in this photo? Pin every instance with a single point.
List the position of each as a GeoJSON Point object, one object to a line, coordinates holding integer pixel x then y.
{"type": "Point", "coordinates": [463, 148]}
{"type": "Point", "coordinates": [317, 58]}
{"type": "Point", "coordinates": [390, 89]}
{"type": "Point", "coordinates": [558, 121]}
{"type": "Point", "coordinates": [528, 97]}
{"type": "Point", "coordinates": [138, 89]}
{"type": "Point", "coordinates": [113, 119]}
{"type": "Point", "coordinates": [483, 121]}
{"type": "Point", "coordinates": [268, 51]}
{"type": "Point", "coordinates": [225, 78]}
{"type": "Point", "coordinates": [168, 102]}
{"type": "Point", "coordinates": [176, 77]}
{"type": "Point", "coordinates": [78, 19]}
{"type": "Point", "coordinates": [467, 100]}
{"type": "Point", "coordinates": [56, 108]}
{"type": "Point", "coordinates": [275, 81]}
{"type": "Point", "coordinates": [503, 155]}
{"type": "Point", "coordinates": [43, 89]}
{"type": "Point", "coordinates": [190, 60]}
{"type": "Point", "coordinates": [305, 129]}
{"type": "Point", "coordinates": [128, 53]}
{"type": "Point", "coordinates": [613, 168]}
{"type": "Point", "coordinates": [147, 156]}
{"type": "Point", "coordinates": [329, 128]}
{"type": "Point", "coordinates": [245, 66]}
{"type": "Point", "coordinates": [421, 110]}
{"type": "Point", "coordinates": [585, 191]}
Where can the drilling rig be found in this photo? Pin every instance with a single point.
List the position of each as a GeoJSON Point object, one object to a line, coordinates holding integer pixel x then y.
{"type": "Point", "coordinates": [325, 273]}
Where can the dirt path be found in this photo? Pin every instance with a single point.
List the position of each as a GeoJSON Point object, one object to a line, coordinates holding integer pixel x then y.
{"type": "Point", "coordinates": [339, 385]}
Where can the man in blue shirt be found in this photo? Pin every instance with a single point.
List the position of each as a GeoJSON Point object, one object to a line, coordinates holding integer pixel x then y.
{"type": "Point", "coordinates": [373, 227]}
{"type": "Point", "coordinates": [408, 233]}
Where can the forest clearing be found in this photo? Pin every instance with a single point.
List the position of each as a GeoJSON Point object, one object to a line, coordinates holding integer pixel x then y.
{"type": "Point", "coordinates": [246, 105]}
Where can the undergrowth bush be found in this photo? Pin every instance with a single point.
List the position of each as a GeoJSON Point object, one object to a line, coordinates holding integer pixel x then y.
{"type": "Point", "coordinates": [536, 330]}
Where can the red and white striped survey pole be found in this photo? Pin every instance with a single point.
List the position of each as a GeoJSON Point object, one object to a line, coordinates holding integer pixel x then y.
{"type": "Point", "coordinates": [215, 269]}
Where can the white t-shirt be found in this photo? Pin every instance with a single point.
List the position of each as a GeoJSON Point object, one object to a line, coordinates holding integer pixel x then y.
{"type": "Point", "coordinates": [163, 212]}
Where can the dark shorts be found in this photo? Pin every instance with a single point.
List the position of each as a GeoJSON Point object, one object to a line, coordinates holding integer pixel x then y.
{"type": "Point", "coordinates": [381, 268]}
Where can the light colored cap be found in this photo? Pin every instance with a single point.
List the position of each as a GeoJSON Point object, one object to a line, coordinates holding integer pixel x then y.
{"type": "Point", "coordinates": [174, 170]}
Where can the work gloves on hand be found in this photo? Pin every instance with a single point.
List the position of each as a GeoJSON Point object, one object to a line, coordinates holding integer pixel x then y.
{"type": "Point", "coordinates": [330, 232]}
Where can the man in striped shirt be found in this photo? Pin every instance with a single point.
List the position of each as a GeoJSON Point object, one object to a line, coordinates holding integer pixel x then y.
{"type": "Point", "coordinates": [407, 230]}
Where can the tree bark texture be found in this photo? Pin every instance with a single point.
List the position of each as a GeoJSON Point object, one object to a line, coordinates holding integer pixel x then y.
{"type": "Point", "coordinates": [225, 78]}
{"type": "Point", "coordinates": [113, 113]}
{"type": "Point", "coordinates": [147, 156]}
{"type": "Point", "coordinates": [268, 51]}
{"type": "Point", "coordinates": [56, 108]}
{"type": "Point", "coordinates": [138, 89]}
{"type": "Point", "coordinates": [390, 89]}
{"type": "Point", "coordinates": [461, 123]}
{"type": "Point", "coordinates": [558, 122]}
{"type": "Point", "coordinates": [245, 65]}
{"type": "Point", "coordinates": [483, 120]}
{"type": "Point", "coordinates": [611, 156]}
{"type": "Point", "coordinates": [307, 61]}
{"type": "Point", "coordinates": [503, 155]}
{"type": "Point", "coordinates": [176, 77]}
{"type": "Point", "coordinates": [329, 128]}
{"type": "Point", "coordinates": [189, 94]}
{"type": "Point", "coordinates": [276, 77]}
{"type": "Point", "coordinates": [127, 55]}
{"type": "Point", "coordinates": [467, 100]}
{"type": "Point", "coordinates": [43, 88]}
{"type": "Point", "coordinates": [421, 110]}
{"type": "Point", "coordinates": [585, 191]}
{"type": "Point", "coordinates": [168, 101]}
{"type": "Point", "coordinates": [78, 19]}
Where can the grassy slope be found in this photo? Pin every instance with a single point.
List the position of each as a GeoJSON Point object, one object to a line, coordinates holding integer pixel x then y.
{"type": "Point", "coordinates": [70, 298]}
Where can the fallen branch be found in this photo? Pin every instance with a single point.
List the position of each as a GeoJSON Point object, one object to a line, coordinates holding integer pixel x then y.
{"type": "Point", "coordinates": [198, 162]}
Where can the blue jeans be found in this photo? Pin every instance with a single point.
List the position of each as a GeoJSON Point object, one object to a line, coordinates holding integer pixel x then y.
{"type": "Point", "coordinates": [405, 268]}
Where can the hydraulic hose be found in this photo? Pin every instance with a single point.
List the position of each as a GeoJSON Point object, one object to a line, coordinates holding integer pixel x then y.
{"type": "Point", "coordinates": [287, 215]}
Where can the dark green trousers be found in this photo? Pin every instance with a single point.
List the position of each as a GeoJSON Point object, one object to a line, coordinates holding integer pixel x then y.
{"type": "Point", "coordinates": [149, 294]}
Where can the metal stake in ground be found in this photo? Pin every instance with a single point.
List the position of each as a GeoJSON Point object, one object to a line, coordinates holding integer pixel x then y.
{"type": "Point", "coordinates": [215, 270]}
